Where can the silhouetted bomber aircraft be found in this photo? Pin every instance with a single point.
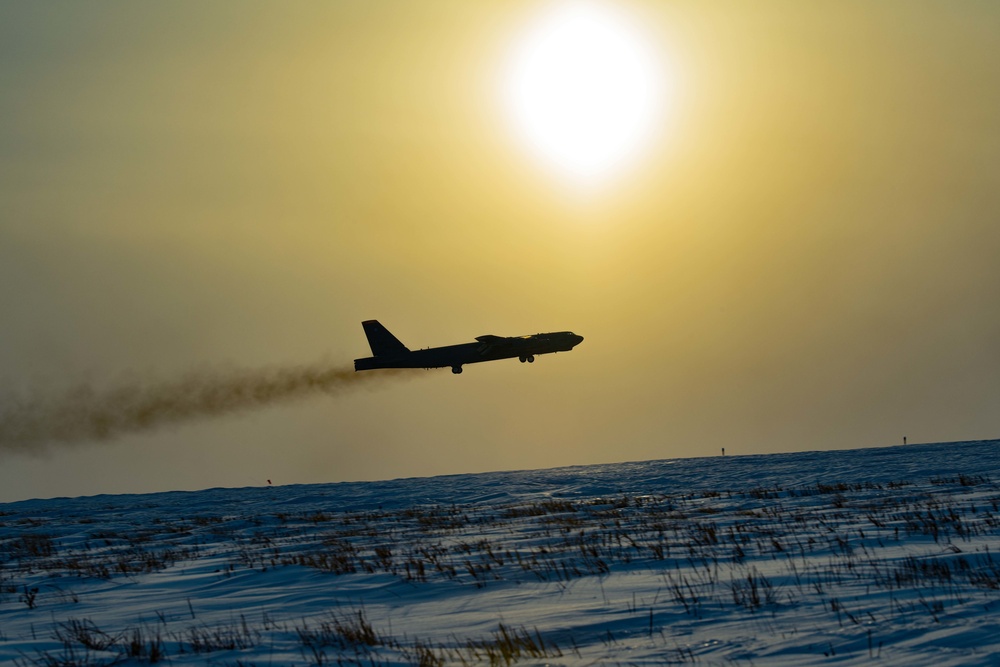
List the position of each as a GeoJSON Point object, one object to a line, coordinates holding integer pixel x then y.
{"type": "Point", "coordinates": [390, 353]}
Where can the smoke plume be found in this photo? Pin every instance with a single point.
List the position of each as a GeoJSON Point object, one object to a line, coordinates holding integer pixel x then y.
{"type": "Point", "coordinates": [86, 413]}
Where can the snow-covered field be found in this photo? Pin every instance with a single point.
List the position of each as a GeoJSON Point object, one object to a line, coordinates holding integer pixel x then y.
{"type": "Point", "coordinates": [875, 555]}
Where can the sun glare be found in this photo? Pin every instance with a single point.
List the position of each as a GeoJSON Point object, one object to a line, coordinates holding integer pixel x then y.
{"type": "Point", "coordinates": [583, 89]}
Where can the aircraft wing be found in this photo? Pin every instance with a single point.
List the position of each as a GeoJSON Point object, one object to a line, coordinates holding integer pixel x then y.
{"type": "Point", "coordinates": [491, 342]}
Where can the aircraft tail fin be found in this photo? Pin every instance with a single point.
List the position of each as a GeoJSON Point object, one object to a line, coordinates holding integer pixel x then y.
{"type": "Point", "coordinates": [382, 342]}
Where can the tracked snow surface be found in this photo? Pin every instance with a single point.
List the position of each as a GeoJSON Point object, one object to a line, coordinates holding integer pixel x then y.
{"type": "Point", "coordinates": [887, 555]}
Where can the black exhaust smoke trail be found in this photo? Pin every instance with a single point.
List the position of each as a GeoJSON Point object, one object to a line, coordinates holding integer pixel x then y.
{"type": "Point", "coordinates": [87, 414]}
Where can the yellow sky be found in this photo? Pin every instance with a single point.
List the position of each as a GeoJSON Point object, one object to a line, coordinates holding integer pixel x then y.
{"type": "Point", "coordinates": [805, 258]}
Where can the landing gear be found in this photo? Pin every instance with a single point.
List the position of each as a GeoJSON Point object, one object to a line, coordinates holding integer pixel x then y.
{"type": "Point", "coordinates": [456, 369]}
{"type": "Point", "coordinates": [529, 358]}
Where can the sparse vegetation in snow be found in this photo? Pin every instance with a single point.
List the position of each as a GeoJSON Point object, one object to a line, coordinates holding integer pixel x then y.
{"type": "Point", "coordinates": [739, 560]}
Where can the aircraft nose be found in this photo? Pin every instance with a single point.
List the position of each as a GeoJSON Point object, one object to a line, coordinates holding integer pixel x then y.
{"type": "Point", "coordinates": [577, 339]}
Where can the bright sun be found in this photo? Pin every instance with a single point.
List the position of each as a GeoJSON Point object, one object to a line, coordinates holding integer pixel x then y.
{"type": "Point", "coordinates": [583, 89]}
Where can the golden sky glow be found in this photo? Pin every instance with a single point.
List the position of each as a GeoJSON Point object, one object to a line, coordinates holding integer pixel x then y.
{"type": "Point", "coordinates": [800, 254]}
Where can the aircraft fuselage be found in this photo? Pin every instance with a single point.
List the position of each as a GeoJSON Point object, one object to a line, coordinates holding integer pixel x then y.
{"type": "Point", "coordinates": [390, 353]}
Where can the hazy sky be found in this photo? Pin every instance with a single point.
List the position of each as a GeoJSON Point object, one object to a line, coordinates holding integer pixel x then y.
{"type": "Point", "coordinates": [805, 255]}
